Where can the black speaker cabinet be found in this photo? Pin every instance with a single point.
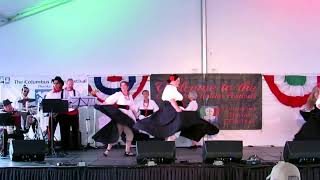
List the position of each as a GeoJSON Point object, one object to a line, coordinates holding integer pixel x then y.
{"type": "Point", "coordinates": [161, 152]}
{"type": "Point", "coordinates": [302, 151]}
{"type": "Point", "coordinates": [226, 151]}
{"type": "Point", "coordinates": [27, 150]}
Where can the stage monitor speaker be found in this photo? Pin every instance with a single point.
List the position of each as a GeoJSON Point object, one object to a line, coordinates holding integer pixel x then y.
{"type": "Point", "coordinates": [226, 151]}
{"type": "Point", "coordinates": [27, 150]}
{"type": "Point", "coordinates": [302, 151]}
{"type": "Point", "coordinates": [161, 152]}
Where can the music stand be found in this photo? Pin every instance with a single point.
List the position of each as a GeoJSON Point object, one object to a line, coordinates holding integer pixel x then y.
{"type": "Point", "coordinates": [85, 101]}
{"type": "Point", "coordinates": [53, 106]}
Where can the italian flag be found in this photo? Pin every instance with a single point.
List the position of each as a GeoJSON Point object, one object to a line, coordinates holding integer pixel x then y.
{"type": "Point", "coordinates": [292, 90]}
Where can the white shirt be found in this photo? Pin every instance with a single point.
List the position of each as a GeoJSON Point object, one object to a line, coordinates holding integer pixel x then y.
{"type": "Point", "coordinates": [192, 106]}
{"type": "Point", "coordinates": [120, 99]}
{"type": "Point", "coordinates": [72, 93]}
{"type": "Point", "coordinates": [19, 106]}
{"type": "Point", "coordinates": [150, 106]}
{"type": "Point", "coordinates": [171, 92]}
{"type": "Point", "coordinates": [54, 95]}
{"type": "Point", "coordinates": [57, 95]}
{"type": "Point", "coordinates": [318, 103]}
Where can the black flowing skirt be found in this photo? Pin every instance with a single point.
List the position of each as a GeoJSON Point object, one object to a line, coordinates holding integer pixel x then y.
{"type": "Point", "coordinates": [310, 130]}
{"type": "Point", "coordinates": [109, 134]}
{"type": "Point", "coordinates": [167, 121]}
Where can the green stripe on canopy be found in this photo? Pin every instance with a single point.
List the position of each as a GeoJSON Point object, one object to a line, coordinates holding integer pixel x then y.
{"type": "Point", "coordinates": [295, 80]}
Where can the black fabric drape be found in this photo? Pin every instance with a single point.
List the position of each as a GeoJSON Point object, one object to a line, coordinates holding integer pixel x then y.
{"type": "Point", "coordinates": [109, 133]}
{"type": "Point", "coordinates": [160, 172]}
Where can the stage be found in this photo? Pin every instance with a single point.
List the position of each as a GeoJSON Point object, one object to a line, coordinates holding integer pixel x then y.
{"type": "Point", "coordinates": [188, 165]}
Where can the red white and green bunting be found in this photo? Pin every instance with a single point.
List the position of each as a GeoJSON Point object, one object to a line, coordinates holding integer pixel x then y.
{"type": "Point", "coordinates": [291, 90]}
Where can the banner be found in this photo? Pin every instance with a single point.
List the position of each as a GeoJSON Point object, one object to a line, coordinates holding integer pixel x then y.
{"type": "Point", "coordinates": [38, 85]}
{"type": "Point", "coordinates": [231, 101]}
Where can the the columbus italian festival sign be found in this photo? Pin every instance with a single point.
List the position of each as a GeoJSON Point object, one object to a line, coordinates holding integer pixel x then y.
{"type": "Point", "coordinates": [10, 86]}
{"type": "Point", "coordinates": [231, 101]}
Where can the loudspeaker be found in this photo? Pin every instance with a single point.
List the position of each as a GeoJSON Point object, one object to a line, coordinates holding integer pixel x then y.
{"type": "Point", "coordinates": [302, 151]}
{"type": "Point", "coordinates": [161, 152]}
{"type": "Point", "coordinates": [27, 150]}
{"type": "Point", "coordinates": [226, 151]}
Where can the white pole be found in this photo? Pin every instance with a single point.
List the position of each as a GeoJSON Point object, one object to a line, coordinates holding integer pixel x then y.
{"type": "Point", "coordinates": [204, 62]}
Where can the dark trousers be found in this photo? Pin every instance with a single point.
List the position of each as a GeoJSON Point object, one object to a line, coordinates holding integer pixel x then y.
{"type": "Point", "coordinates": [74, 131]}
{"type": "Point", "coordinates": [69, 124]}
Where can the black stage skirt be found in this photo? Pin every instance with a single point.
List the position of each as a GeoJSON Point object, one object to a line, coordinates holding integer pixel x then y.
{"type": "Point", "coordinates": [310, 130]}
{"type": "Point", "coordinates": [167, 121]}
{"type": "Point", "coordinates": [109, 134]}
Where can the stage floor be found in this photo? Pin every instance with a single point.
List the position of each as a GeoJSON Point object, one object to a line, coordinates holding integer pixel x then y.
{"type": "Point", "coordinates": [188, 166]}
{"type": "Point", "coordinates": [94, 157]}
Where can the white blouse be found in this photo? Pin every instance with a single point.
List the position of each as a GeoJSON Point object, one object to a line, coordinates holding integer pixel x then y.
{"type": "Point", "coordinates": [120, 99]}
{"type": "Point", "coordinates": [192, 106]}
{"type": "Point", "coordinates": [171, 92]}
{"type": "Point", "coordinates": [66, 95]}
{"type": "Point", "coordinates": [152, 105]}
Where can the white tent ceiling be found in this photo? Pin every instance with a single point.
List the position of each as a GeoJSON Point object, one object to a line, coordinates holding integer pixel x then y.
{"type": "Point", "coordinates": [12, 10]}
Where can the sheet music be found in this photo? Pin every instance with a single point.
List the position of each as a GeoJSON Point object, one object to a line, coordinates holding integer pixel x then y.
{"type": "Point", "coordinates": [76, 102]}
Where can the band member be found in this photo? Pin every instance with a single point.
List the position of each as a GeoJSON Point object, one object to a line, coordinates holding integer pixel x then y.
{"type": "Point", "coordinates": [73, 114]}
{"type": "Point", "coordinates": [17, 133]}
{"type": "Point", "coordinates": [58, 93]}
{"type": "Point", "coordinates": [147, 106]}
{"type": "Point", "coordinates": [23, 100]}
{"type": "Point", "coordinates": [8, 108]}
{"type": "Point", "coordinates": [122, 111]}
{"type": "Point", "coordinates": [27, 107]}
{"type": "Point", "coordinates": [171, 119]}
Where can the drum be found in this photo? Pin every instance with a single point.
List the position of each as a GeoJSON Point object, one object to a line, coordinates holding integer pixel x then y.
{"type": "Point", "coordinates": [30, 121]}
{"type": "Point", "coordinates": [33, 110]}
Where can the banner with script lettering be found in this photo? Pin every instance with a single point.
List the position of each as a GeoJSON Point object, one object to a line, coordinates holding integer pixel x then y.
{"type": "Point", "coordinates": [231, 101]}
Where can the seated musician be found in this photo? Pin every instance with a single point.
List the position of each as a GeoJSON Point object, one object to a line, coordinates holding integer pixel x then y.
{"type": "Point", "coordinates": [147, 106]}
{"type": "Point", "coordinates": [21, 102]}
{"type": "Point", "coordinates": [15, 134]}
{"type": "Point", "coordinates": [8, 108]}
{"type": "Point", "coordinates": [27, 105]}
